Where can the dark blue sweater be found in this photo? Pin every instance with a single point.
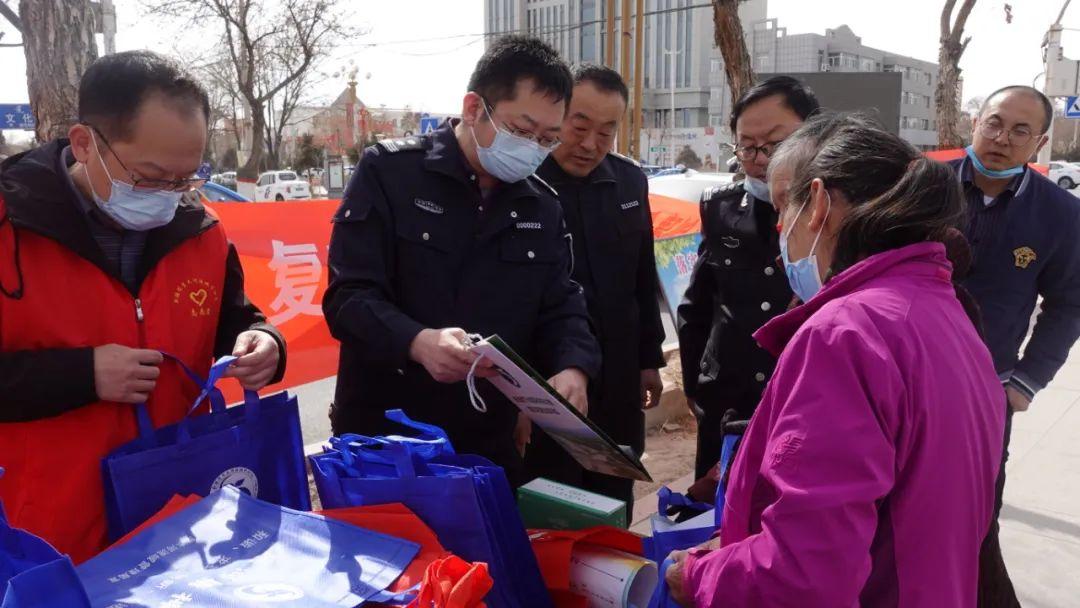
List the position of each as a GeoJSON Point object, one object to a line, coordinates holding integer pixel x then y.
{"type": "Point", "coordinates": [1025, 244]}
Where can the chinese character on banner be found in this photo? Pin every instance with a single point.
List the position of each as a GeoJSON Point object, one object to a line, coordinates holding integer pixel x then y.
{"type": "Point", "coordinates": [298, 271]}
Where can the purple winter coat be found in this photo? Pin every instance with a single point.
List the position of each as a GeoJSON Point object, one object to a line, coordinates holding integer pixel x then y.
{"type": "Point", "coordinates": [866, 477]}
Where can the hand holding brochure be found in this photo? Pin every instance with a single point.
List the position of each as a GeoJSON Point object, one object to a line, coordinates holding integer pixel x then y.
{"type": "Point", "coordinates": [578, 435]}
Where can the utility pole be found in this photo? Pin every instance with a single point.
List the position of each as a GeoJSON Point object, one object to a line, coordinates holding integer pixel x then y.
{"type": "Point", "coordinates": [636, 116]}
{"type": "Point", "coordinates": [108, 25]}
{"type": "Point", "coordinates": [623, 138]}
{"type": "Point", "coordinates": [1062, 75]}
{"type": "Point", "coordinates": [671, 130]}
{"type": "Point", "coordinates": [609, 50]}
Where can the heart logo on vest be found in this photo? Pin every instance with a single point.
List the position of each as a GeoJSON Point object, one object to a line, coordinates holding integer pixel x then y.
{"type": "Point", "coordinates": [198, 297]}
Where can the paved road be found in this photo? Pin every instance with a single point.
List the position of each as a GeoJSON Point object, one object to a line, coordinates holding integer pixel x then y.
{"type": "Point", "coordinates": [314, 401]}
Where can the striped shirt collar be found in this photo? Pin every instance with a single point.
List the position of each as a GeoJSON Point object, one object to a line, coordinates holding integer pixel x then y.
{"type": "Point", "coordinates": [1018, 186]}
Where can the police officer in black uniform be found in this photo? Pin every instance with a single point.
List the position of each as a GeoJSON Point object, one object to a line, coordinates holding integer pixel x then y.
{"type": "Point", "coordinates": [606, 201]}
{"type": "Point", "coordinates": [737, 285]}
{"type": "Point", "coordinates": [449, 234]}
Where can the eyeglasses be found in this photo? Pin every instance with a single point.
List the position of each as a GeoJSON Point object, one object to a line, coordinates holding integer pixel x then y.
{"type": "Point", "coordinates": [749, 153]}
{"type": "Point", "coordinates": [187, 184]}
{"type": "Point", "coordinates": [1018, 136]}
{"type": "Point", "coordinates": [548, 143]}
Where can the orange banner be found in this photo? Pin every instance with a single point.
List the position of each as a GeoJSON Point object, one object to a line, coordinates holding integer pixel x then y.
{"type": "Point", "coordinates": [283, 248]}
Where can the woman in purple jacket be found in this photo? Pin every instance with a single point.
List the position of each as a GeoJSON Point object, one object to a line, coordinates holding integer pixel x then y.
{"type": "Point", "coordinates": [866, 477]}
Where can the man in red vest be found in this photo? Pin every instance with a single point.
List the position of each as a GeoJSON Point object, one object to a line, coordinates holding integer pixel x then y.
{"type": "Point", "coordinates": [108, 259]}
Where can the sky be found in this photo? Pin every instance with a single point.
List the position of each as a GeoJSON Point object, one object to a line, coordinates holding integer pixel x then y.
{"type": "Point", "coordinates": [421, 52]}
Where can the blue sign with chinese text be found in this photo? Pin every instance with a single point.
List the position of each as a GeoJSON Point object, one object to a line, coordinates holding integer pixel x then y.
{"type": "Point", "coordinates": [16, 116]}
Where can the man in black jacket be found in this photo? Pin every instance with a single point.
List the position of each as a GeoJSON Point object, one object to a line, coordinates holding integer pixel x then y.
{"type": "Point", "coordinates": [448, 234]}
{"type": "Point", "coordinates": [605, 198]}
{"type": "Point", "coordinates": [736, 285]}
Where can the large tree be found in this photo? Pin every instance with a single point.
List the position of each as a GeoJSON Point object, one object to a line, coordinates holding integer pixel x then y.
{"type": "Point", "coordinates": [58, 41]}
{"type": "Point", "coordinates": [254, 33]}
{"type": "Point", "coordinates": [729, 37]}
{"type": "Point", "coordinates": [947, 95]}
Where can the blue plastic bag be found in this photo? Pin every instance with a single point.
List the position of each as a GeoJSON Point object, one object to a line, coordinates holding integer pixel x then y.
{"type": "Point", "coordinates": [464, 499]}
{"type": "Point", "coordinates": [33, 574]}
{"type": "Point", "coordinates": [233, 550]}
{"type": "Point", "coordinates": [256, 447]}
{"type": "Point", "coordinates": [668, 536]}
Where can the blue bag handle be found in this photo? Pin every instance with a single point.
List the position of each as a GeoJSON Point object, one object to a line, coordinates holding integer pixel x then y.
{"type": "Point", "coordinates": [667, 499]}
{"type": "Point", "coordinates": [661, 597]}
{"type": "Point", "coordinates": [390, 452]}
{"type": "Point", "coordinates": [209, 391]}
{"type": "Point", "coordinates": [428, 432]}
{"type": "Point", "coordinates": [727, 453]}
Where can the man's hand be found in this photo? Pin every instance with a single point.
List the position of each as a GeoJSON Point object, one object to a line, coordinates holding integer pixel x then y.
{"type": "Point", "coordinates": [522, 433]}
{"type": "Point", "coordinates": [125, 375]}
{"type": "Point", "coordinates": [257, 359]}
{"type": "Point", "coordinates": [1017, 400]}
{"type": "Point", "coordinates": [445, 355]}
{"type": "Point", "coordinates": [652, 386]}
{"type": "Point", "coordinates": [573, 385]}
{"type": "Point", "coordinates": [676, 573]}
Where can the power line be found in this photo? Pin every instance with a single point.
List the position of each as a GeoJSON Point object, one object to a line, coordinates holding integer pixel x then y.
{"type": "Point", "coordinates": [554, 29]}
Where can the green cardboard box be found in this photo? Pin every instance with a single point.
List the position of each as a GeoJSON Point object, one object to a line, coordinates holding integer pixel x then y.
{"type": "Point", "coordinates": [546, 504]}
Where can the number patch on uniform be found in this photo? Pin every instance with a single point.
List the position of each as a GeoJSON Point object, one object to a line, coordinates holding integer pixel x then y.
{"type": "Point", "coordinates": [529, 226]}
{"type": "Point", "coordinates": [630, 205]}
{"type": "Point", "coordinates": [429, 206]}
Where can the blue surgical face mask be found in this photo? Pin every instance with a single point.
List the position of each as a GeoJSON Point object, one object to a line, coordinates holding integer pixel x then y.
{"type": "Point", "coordinates": [803, 275]}
{"type": "Point", "coordinates": [509, 158]}
{"type": "Point", "coordinates": [132, 209]}
{"type": "Point", "coordinates": [758, 189]}
{"type": "Point", "coordinates": [991, 173]}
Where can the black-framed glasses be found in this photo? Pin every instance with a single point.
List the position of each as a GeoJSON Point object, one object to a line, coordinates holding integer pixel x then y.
{"type": "Point", "coordinates": [749, 153]}
{"type": "Point", "coordinates": [1018, 136]}
{"type": "Point", "coordinates": [186, 184]}
{"type": "Point", "coordinates": [548, 143]}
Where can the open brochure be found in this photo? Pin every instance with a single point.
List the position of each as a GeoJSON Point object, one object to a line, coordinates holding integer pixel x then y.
{"type": "Point", "coordinates": [578, 435]}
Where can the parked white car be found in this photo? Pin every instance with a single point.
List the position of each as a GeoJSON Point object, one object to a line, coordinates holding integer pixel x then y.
{"type": "Point", "coordinates": [281, 186]}
{"type": "Point", "coordinates": [1066, 175]}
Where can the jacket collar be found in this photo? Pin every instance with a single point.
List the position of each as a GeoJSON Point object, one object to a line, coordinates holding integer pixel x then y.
{"type": "Point", "coordinates": [38, 198]}
{"type": "Point", "coordinates": [921, 259]}
{"type": "Point", "coordinates": [446, 156]}
{"type": "Point", "coordinates": [553, 174]}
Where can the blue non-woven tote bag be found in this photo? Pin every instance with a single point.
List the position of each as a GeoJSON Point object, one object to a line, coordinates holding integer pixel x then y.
{"type": "Point", "coordinates": [33, 574]}
{"type": "Point", "coordinates": [464, 499]}
{"type": "Point", "coordinates": [230, 549]}
{"type": "Point", "coordinates": [256, 447]}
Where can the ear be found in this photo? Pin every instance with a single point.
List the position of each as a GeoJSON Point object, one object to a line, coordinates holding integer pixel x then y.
{"type": "Point", "coordinates": [82, 143]}
{"type": "Point", "coordinates": [820, 205]}
{"type": "Point", "coordinates": [472, 109]}
{"type": "Point", "coordinates": [1043, 140]}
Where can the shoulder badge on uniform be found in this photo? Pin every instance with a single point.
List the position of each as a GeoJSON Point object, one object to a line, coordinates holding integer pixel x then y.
{"type": "Point", "coordinates": [725, 191]}
{"type": "Point", "coordinates": [625, 159]}
{"type": "Point", "coordinates": [544, 185]}
{"type": "Point", "coordinates": [402, 145]}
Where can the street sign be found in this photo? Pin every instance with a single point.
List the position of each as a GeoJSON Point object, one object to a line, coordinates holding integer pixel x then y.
{"type": "Point", "coordinates": [428, 124]}
{"type": "Point", "coordinates": [1072, 108]}
{"type": "Point", "coordinates": [16, 116]}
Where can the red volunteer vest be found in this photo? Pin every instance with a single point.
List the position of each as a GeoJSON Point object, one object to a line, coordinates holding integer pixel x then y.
{"type": "Point", "coordinates": [53, 485]}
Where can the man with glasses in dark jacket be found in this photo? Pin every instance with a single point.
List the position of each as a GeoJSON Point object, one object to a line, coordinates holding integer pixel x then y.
{"type": "Point", "coordinates": [736, 285]}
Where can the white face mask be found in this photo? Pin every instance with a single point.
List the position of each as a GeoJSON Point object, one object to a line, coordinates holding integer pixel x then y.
{"type": "Point", "coordinates": [758, 189]}
{"type": "Point", "coordinates": [509, 158]}
{"type": "Point", "coordinates": [132, 209]}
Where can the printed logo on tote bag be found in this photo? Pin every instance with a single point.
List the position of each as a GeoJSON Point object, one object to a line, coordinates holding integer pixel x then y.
{"type": "Point", "coordinates": [241, 478]}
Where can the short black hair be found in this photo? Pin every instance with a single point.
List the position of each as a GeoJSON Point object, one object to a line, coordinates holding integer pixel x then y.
{"type": "Point", "coordinates": [114, 86]}
{"type": "Point", "coordinates": [1048, 106]}
{"type": "Point", "coordinates": [512, 59]}
{"type": "Point", "coordinates": [603, 78]}
{"type": "Point", "coordinates": [797, 96]}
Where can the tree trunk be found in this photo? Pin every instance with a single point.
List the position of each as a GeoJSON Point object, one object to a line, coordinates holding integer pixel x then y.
{"type": "Point", "coordinates": [58, 40]}
{"type": "Point", "coordinates": [250, 170]}
{"type": "Point", "coordinates": [948, 105]}
{"type": "Point", "coordinates": [728, 35]}
{"type": "Point", "coordinates": [947, 94]}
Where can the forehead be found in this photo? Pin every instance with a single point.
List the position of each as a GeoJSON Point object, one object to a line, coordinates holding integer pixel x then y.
{"type": "Point", "coordinates": [765, 116]}
{"type": "Point", "coordinates": [1016, 107]}
{"type": "Point", "coordinates": [597, 105]}
{"type": "Point", "coordinates": [541, 107]}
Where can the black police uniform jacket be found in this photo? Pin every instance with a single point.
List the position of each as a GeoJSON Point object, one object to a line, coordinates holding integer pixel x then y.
{"type": "Point", "coordinates": [608, 216]}
{"type": "Point", "coordinates": [735, 288]}
{"type": "Point", "coordinates": [415, 245]}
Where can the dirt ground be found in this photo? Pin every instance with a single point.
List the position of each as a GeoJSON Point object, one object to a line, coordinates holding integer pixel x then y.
{"type": "Point", "coordinates": [669, 454]}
